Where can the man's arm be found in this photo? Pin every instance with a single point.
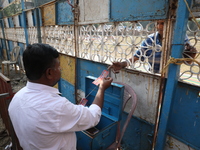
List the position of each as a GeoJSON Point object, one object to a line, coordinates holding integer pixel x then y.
{"type": "Point", "coordinates": [117, 66]}
{"type": "Point", "coordinates": [99, 98]}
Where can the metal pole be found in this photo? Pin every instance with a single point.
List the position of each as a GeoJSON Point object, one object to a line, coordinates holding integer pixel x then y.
{"type": "Point", "coordinates": [173, 72]}
{"type": "Point", "coordinates": [4, 38]}
{"type": "Point", "coordinates": [37, 11]}
{"type": "Point", "coordinates": [24, 22]}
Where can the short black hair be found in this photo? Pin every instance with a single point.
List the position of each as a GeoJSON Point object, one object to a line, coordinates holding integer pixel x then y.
{"type": "Point", "coordinates": [37, 58]}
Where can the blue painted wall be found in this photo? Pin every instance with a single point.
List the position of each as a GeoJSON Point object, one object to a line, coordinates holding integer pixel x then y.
{"type": "Point", "coordinates": [10, 22]}
{"type": "Point", "coordinates": [129, 10]}
{"type": "Point", "coordinates": [64, 14]}
{"type": "Point", "coordinates": [138, 135]}
{"type": "Point", "coordinates": [10, 47]}
{"type": "Point", "coordinates": [184, 120]}
{"type": "Point", "coordinates": [67, 90]}
{"type": "Point", "coordinates": [85, 68]}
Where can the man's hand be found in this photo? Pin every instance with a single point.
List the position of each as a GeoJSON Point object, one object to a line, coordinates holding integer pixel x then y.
{"type": "Point", "coordinates": [117, 66]}
{"type": "Point", "coordinates": [189, 52]}
{"type": "Point", "coordinates": [105, 83]}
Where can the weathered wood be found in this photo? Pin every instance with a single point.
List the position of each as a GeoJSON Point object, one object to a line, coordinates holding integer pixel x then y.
{"type": "Point", "coordinates": [6, 94]}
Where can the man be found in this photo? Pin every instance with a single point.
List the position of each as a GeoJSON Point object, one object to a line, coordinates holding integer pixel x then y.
{"type": "Point", "coordinates": [42, 119]}
{"type": "Point", "coordinates": [151, 51]}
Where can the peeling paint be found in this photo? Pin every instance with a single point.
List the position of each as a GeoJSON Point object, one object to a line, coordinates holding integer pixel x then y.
{"type": "Point", "coordinates": [67, 65]}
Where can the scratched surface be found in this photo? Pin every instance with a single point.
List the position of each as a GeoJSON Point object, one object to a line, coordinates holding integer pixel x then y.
{"type": "Point", "coordinates": [129, 10]}
{"type": "Point", "coordinates": [48, 14]}
{"type": "Point", "coordinates": [64, 14]}
{"type": "Point", "coordinates": [67, 65]}
{"type": "Point", "coordinates": [184, 122]}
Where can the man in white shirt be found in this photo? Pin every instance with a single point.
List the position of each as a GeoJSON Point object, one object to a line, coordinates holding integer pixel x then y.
{"type": "Point", "coordinates": [42, 119]}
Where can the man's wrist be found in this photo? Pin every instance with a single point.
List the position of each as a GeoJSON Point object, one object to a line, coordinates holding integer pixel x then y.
{"type": "Point", "coordinates": [124, 64]}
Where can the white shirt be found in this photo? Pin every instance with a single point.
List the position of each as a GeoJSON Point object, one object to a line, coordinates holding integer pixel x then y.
{"type": "Point", "coordinates": [43, 120]}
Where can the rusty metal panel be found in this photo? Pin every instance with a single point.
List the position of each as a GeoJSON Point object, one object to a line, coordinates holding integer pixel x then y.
{"type": "Point", "coordinates": [147, 89]}
{"type": "Point", "coordinates": [67, 65]}
{"type": "Point", "coordinates": [184, 118]}
{"type": "Point", "coordinates": [48, 14]}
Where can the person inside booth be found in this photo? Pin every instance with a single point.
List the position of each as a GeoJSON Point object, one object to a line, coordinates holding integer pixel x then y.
{"type": "Point", "coordinates": [154, 56]}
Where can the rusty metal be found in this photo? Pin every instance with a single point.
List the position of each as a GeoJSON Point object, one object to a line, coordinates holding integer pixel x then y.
{"type": "Point", "coordinates": [48, 14]}
{"type": "Point", "coordinates": [76, 38]}
{"type": "Point", "coordinates": [166, 48]}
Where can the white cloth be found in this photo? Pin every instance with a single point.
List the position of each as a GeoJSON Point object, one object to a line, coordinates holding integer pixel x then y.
{"type": "Point", "coordinates": [43, 120]}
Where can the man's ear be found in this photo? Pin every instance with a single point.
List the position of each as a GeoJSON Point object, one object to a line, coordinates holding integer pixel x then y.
{"type": "Point", "coordinates": [49, 73]}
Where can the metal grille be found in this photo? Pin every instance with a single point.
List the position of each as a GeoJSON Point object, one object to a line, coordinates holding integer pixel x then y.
{"type": "Point", "coordinates": [60, 37]}
{"type": "Point", "coordinates": [191, 72]}
{"type": "Point", "coordinates": [32, 35]}
{"type": "Point", "coordinates": [15, 34]}
{"type": "Point", "coordinates": [108, 43]}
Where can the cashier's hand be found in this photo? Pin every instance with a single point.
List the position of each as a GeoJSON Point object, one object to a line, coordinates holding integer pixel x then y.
{"type": "Point", "coordinates": [117, 66]}
{"type": "Point", "coordinates": [105, 83]}
{"type": "Point", "coordinates": [189, 52]}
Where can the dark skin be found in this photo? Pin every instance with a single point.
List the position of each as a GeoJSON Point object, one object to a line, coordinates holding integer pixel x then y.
{"type": "Point", "coordinates": [190, 52]}
{"type": "Point", "coordinates": [52, 75]}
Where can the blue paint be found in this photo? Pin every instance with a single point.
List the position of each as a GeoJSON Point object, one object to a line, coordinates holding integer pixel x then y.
{"type": "Point", "coordinates": [20, 20]}
{"type": "Point", "coordinates": [184, 119]}
{"type": "Point", "coordinates": [113, 98]}
{"type": "Point", "coordinates": [67, 90]}
{"type": "Point", "coordinates": [111, 113]}
{"type": "Point", "coordinates": [10, 46]}
{"type": "Point", "coordinates": [129, 10]}
{"type": "Point", "coordinates": [33, 18]}
{"type": "Point", "coordinates": [180, 26]}
{"type": "Point", "coordinates": [23, 19]}
{"type": "Point", "coordinates": [37, 17]}
{"type": "Point", "coordinates": [86, 68]}
{"type": "Point", "coordinates": [10, 22]}
{"type": "Point", "coordinates": [64, 14]}
{"type": "Point", "coordinates": [138, 135]}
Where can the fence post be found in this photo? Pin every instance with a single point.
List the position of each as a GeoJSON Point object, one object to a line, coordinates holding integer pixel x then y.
{"type": "Point", "coordinates": [173, 72]}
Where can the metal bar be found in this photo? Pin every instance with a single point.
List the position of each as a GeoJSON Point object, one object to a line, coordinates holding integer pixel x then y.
{"type": "Point", "coordinates": [162, 79]}
{"type": "Point", "coordinates": [38, 25]}
{"type": "Point", "coordinates": [4, 38]}
{"type": "Point", "coordinates": [76, 37]}
{"type": "Point", "coordinates": [24, 22]}
{"type": "Point", "coordinates": [173, 72]}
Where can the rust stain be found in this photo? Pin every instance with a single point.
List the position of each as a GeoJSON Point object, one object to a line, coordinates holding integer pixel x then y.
{"type": "Point", "coordinates": [48, 14]}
